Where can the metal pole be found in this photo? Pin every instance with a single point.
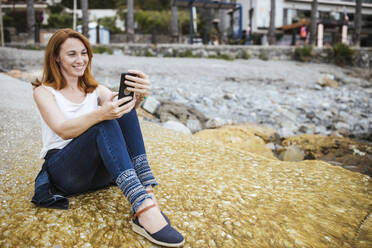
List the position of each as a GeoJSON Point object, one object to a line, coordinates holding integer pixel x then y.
{"type": "Point", "coordinates": [1, 24]}
{"type": "Point", "coordinates": [74, 18]}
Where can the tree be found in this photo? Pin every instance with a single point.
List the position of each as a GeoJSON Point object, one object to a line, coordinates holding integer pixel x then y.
{"type": "Point", "coordinates": [30, 19]}
{"type": "Point", "coordinates": [174, 24]}
{"type": "Point", "coordinates": [314, 22]}
{"type": "Point", "coordinates": [1, 24]}
{"type": "Point", "coordinates": [357, 23]}
{"type": "Point", "coordinates": [84, 10]}
{"type": "Point", "coordinates": [271, 32]}
{"type": "Point", "coordinates": [130, 21]}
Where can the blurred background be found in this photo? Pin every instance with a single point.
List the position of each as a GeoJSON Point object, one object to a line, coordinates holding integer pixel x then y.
{"type": "Point", "coordinates": [191, 21]}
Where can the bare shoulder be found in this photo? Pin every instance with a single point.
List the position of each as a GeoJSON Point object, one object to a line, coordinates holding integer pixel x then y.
{"type": "Point", "coordinates": [42, 94]}
{"type": "Point", "coordinates": [39, 91]}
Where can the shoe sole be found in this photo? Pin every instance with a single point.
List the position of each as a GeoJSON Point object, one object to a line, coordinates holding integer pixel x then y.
{"type": "Point", "coordinates": [139, 230]}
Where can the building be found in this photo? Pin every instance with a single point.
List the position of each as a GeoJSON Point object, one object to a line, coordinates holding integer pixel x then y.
{"type": "Point", "coordinates": [256, 16]}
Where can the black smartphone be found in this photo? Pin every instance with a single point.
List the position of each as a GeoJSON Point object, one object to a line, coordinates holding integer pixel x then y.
{"type": "Point", "coordinates": [123, 92]}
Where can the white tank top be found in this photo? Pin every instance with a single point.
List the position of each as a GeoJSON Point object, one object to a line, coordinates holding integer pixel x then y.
{"type": "Point", "coordinates": [70, 110]}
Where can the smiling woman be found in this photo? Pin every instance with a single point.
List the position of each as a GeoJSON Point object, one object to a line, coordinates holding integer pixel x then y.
{"type": "Point", "coordinates": [92, 139]}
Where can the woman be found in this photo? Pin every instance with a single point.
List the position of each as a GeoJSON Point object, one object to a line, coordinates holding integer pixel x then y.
{"type": "Point", "coordinates": [91, 139]}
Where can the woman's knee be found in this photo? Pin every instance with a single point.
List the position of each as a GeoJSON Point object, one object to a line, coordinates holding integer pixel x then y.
{"type": "Point", "coordinates": [108, 124]}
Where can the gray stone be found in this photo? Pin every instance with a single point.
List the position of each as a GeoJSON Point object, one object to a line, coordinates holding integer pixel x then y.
{"type": "Point", "coordinates": [217, 122]}
{"type": "Point", "coordinates": [194, 125]}
{"type": "Point", "coordinates": [151, 104]}
{"type": "Point", "coordinates": [176, 126]}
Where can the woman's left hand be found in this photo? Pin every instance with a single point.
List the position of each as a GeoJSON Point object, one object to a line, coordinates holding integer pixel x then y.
{"type": "Point", "coordinates": [139, 85]}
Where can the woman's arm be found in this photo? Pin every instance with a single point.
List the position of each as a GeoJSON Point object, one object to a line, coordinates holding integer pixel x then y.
{"type": "Point", "coordinates": [68, 129]}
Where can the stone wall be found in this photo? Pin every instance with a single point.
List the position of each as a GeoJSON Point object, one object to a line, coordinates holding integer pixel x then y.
{"type": "Point", "coordinates": [361, 58]}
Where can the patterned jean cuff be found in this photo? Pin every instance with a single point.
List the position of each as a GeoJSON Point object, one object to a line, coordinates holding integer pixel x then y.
{"type": "Point", "coordinates": [143, 170]}
{"type": "Point", "coordinates": [132, 188]}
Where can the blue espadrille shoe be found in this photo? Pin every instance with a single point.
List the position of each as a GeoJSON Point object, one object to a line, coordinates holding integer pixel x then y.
{"type": "Point", "coordinates": [167, 236]}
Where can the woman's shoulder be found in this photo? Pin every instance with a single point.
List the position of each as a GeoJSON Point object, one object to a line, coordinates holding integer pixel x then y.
{"type": "Point", "coordinates": [43, 90]}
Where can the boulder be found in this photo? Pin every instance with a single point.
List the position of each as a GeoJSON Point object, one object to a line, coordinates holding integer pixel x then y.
{"type": "Point", "coordinates": [194, 125]}
{"type": "Point", "coordinates": [176, 126]}
{"type": "Point", "coordinates": [217, 122]}
{"type": "Point", "coordinates": [344, 152]}
{"type": "Point", "coordinates": [179, 112]}
{"type": "Point", "coordinates": [238, 137]}
{"type": "Point", "coordinates": [292, 153]}
{"type": "Point", "coordinates": [328, 81]}
{"type": "Point", "coordinates": [151, 104]}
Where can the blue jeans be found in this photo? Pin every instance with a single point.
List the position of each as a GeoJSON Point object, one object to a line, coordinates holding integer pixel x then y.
{"type": "Point", "coordinates": [110, 151]}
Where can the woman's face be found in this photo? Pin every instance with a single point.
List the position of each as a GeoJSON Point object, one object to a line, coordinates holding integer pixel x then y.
{"type": "Point", "coordinates": [73, 58]}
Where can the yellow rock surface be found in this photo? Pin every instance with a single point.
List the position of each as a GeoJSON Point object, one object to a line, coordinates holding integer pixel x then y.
{"type": "Point", "coordinates": [248, 138]}
{"type": "Point", "coordinates": [217, 196]}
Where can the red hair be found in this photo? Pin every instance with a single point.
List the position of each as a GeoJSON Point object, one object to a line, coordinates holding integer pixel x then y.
{"type": "Point", "coordinates": [52, 75]}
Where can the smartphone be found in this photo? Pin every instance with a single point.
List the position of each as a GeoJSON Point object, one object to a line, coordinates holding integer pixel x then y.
{"type": "Point", "coordinates": [123, 92]}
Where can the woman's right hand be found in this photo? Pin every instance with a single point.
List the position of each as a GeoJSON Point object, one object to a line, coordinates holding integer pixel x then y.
{"type": "Point", "coordinates": [111, 109]}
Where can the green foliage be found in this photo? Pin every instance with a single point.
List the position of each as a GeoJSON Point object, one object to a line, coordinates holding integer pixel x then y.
{"type": "Point", "coordinates": [33, 47]}
{"type": "Point", "coordinates": [221, 56]}
{"type": "Point", "coordinates": [159, 20]}
{"type": "Point", "coordinates": [342, 54]}
{"type": "Point", "coordinates": [17, 20]}
{"type": "Point", "coordinates": [244, 54]}
{"type": "Point", "coordinates": [186, 54]}
{"type": "Point", "coordinates": [62, 20]}
{"type": "Point", "coordinates": [146, 4]}
{"type": "Point", "coordinates": [56, 8]}
{"type": "Point", "coordinates": [149, 54]}
{"type": "Point", "coordinates": [102, 49]}
{"type": "Point", "coordinates": [109, 22]}
{"type": "Point", "coordinates": [263, 55]}
{"type": "Point", "coordinates": [92, 4]}
{"type": "Point", "coordinates": [8, 21]}
{"type": "Point", "coordinates": [304, 53]}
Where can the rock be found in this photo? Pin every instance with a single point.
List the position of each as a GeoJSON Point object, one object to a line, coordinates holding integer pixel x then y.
{"type": "Point", "coordinates": [342, 128]}
{"type": "Point", "coordinates": [229, 96]}
{"type": "Point", "coordinates": [328, 81]}
{"type": "Point", "coordinates": [336, 150]}
{"type": "Point", "coordinates": [271, 146]}
{"type": "Point", "coordinates": [177, 126]}
{"type": "Point", "coordinates": [194, 125]}
{"type": "Point", "coordinates": [238, 137]}
{"type": "Point", "coordinates": [179, 112]}
{"type": "Point", "coordinates": [292, 153]}
{"type": "Point", "coordinates": [151, 105]}
{"type": "Point", "coordinates": [217, 122]}
{"type": "Point", "coordinates": [288, 128]}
